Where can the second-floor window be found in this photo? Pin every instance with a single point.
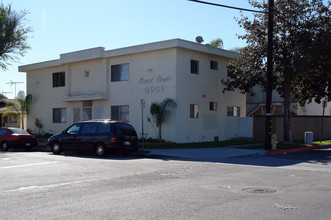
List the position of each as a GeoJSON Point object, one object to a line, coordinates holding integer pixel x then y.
{"type": "Point", "coordinates": [195, 66]}
{"type": "Point", "coordinates": [120, 72]}
{"type": "Point", "coordinates": [213, 65]}
{"type": "Point", "coordinates": [58, 79]}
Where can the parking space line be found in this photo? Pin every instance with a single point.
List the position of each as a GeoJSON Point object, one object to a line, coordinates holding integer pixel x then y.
{"type": "Point", "coordinates": [50, 186]}
{"type": "Point", "coordinates": [28, 165]}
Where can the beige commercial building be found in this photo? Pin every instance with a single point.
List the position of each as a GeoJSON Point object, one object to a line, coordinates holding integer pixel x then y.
{"type": "Point", "coordinates": [98, 83]}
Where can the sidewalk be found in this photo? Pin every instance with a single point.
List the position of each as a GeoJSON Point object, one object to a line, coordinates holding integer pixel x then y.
{"type": "Point", "coordinates": [225, 152]}
{"type": "Point", "coordinates": [213, 153]}
{"type": "Point", "coordinates": [208, 153]}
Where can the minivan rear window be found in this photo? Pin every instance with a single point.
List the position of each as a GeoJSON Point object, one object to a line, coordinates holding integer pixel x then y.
{"type": "Point", "coordinates": [124, 129]}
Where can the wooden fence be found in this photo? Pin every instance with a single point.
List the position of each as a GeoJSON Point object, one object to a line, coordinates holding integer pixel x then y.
{"type": "Point", "coordinates": [300, 125]}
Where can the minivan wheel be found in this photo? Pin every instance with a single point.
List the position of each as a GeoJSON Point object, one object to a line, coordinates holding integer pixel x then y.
{"type": "Point", "coordinates": [4, 146]}
{"type": "Point", "coordinates": [56, 148]}
{"type": "Point", "coordinates": [100, 150]}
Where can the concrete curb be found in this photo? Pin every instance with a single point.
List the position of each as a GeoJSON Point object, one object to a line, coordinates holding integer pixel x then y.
{"type": "Point", "coordinates": [296, 150]}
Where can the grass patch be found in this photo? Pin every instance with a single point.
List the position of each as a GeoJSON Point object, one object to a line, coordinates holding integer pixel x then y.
{"type": "Point", "coordinates": [322, 143]}
{"type": "Point", "coordinates": [198, 145]}
{"type": "Point", "coordinates": [283, 146]}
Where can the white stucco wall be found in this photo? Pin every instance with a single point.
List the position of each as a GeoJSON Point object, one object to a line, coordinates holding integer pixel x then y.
{"type": "Point", "coordinates": [155, 74]}
{"type": "Point", "coordinates": [202, 89]}
{"type": "Point", "coordinates": [314, 108]}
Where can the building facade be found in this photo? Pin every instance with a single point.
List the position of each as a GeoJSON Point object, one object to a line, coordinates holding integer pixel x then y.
{"type": "Point", "coordinates": [96, 84]}
{"type": "Point", "coordinates": [256, 105]}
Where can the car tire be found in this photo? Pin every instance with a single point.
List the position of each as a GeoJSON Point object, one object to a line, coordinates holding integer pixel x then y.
{"type": "Point", "coordinates": [4, 146]}
{"type": "Point", "coordinates": [100, 150]}
{"type": "Point", "coordinates": [56, 148]}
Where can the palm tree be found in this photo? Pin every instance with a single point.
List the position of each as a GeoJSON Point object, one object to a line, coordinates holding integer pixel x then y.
{"type": "Point", "coordinates": [161, 111]}
{"type": "Point", "coordinates": [19, 108]}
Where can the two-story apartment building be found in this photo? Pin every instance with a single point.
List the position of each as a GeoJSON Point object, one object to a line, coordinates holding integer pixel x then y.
{"type": "Point", "coordinates": [98, 83]}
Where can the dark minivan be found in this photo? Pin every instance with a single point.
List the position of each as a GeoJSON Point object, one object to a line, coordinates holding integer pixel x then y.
{"type": "Point", "coordinates": [100, 136]}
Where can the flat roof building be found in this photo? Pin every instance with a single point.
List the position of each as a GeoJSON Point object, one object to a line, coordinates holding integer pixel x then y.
{"type": "Point", "coordinates": [98, 83]}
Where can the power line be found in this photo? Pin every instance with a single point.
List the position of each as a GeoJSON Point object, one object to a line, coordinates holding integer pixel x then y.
{"type": "Point", "coordinates": [227, 6]}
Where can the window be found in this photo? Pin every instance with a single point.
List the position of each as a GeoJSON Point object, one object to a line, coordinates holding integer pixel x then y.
{"type": "Point", "coordinates": [124, 130]}
{"type": "Point", "coordinates": [89, 128]}
{"type": "Point", "coordinates": [213, 106]}
{"type": "Point", "coordinates": [233, 111]}
{"type": "Point", "coordinates": [194, 66]}
{"type": "Point", "coordinates": [213, 65]}
{"type": "Point", "coordinates": [120, 113]}
{"type": "Point", "coordinates": [58, 79]}
{"type": "Point", "coordinates": [76, 114]}
{"type": "Point", "coordinates": [194, 111]}
{"type": "Point", "coordinates": [74, 129]}
{"type": "Point", "coordinates": [120, 72]}
{"type": "Point", "coordinates": [87, 110]}
{"type": "Point", "coordinates": [59, 115]}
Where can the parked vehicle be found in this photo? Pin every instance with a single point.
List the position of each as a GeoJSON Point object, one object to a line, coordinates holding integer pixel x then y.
{"type": "Point", "coordinates": [16, 138]}
{"type": "Point", "coordinates": [100, 136]}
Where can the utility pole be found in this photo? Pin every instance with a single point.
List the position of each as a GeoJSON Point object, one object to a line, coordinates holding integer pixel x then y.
{"type": "Point", "coordinates": [268, 118]}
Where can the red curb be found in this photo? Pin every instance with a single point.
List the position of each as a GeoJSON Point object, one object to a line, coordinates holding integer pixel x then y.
{"type": "Point", "coordinates": [293, 150]}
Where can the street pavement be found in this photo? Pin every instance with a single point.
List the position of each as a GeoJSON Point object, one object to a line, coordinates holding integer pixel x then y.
{"type": "Point", "coordinates": [39, 185]}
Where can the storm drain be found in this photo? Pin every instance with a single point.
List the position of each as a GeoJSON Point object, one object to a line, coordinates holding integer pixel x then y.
{"type": "Point", "coordinates": [258, 190]}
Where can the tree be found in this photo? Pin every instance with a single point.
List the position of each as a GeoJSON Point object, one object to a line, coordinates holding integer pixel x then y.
{"type": "Point", "coordinates": [19, 108]}
{"type": "Point", "coordinates": [301, 63]}
{"type": "Point", "coordinates": [13, 35]}
{"type": "Point", "coordinates": [218, 43]}
{"type": "Point", "coordinates": [2, 96]}
{"type": "Point", "coordinates": [161, 111]}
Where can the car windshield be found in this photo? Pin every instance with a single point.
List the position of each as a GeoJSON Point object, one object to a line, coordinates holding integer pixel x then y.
{"type": "Point", "coordinates": [17, 131]}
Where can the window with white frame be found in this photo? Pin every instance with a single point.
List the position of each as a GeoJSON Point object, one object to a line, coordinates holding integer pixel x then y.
{"type": "Point", "coordinates": [59, 115]}
{"type": "Point", "coordinates": [194, 66]}
{"type": "Point", "coordinates": [87, 110]}
{"type": "Point", "coordinates": [120, 72]}
{"type": "Point", "coordinates": [120, 113]}
{"type": "Point", "coordinates": [194, 111]}
{"type": "Point", "coordinates": [233, 111]}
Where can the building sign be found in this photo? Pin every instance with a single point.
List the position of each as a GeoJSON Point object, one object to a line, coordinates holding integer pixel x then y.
{"type": "Point", "coordinates": [154, 84]}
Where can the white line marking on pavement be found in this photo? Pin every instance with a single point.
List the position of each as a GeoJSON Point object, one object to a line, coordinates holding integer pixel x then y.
{"type": "Point", "coordinates": [28, 165]}
{"type": "Point", "coordinates": [49, 186]}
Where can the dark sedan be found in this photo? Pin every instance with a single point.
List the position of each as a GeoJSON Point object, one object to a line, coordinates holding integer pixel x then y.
{"type": "Point", "coordinates": [16, 138]}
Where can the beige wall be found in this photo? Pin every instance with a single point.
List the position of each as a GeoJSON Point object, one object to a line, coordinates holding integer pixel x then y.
{"type": "Point", "coordinates": [154, 76]}
{"type": "Point", "coordinates": [300, 124]}
{"type": "Point", "coordinates": [202, 89]}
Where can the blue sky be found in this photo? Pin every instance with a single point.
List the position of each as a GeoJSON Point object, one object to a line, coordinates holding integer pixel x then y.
{"type": "Point", "coordinates": [64, 26]}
